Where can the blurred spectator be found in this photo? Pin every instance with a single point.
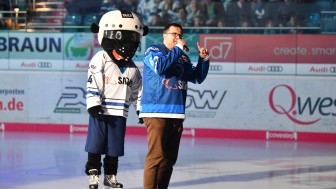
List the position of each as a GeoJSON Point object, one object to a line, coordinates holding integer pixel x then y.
{"type": "Point", "coordinates": [155, 20]}
{"type": "Point", "coordinates": [178, 4]}
{"type": "Point", "coordinates": [166, 5]}
{"type": "Point", "coordinates": [197, 23]}
{"type": "Point", "coordinates": [193, 10]}
{"type": "Point", "coordinates": [259, 12]}
{"type": "Point", "coordinates": [144, 10]}
{"type": "Point", "coordinates": [166, 11]}
{"type": "Point", "coordinates": [245, 23]}
{"type": "Point", "coordinates": [220, 25]}
{"type": "Point", "coordinates": [5, 19]}
{"type": "Point", "coordinates": [245, 26]}
{"type": "Point", "coordinates": [285, 10]}
{"type": "Point", "coordinates": [110, 5]}
{"type": "Point", "coordinates": [269, 27]}
{"type": "Point", "coordinates": [169, 9]}
{"type": "Point", "coordinates": [215, 11]}
{"type": "Point", "coordinates": [294, 22]}
{"type": "Point", "coordinates": [226, 4]}
{"type": "Point", "coordinates": [129, 5]}
{"type": "Point", "coordinates": [147, 8]}
{"type": "Point", "coordinates": [3, 23]}
{"type": "Point", "coordinates": [237, 12]}
{"type": "Point", "coordinates": [182, 17]}
{"type": "Point", "coordinates": [203, 9]}
{"type": "Point", "coordinates": [165, 17]}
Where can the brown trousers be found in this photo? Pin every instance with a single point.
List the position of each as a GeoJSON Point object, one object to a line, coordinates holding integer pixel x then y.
{"type": "Point", "coordinates": [163, 136]}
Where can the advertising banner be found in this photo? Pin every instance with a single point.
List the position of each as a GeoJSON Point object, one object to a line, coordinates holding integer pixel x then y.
{"type": "Point", "coordinates": [43, 97]}
{"type": "Point", "coordinates": [14, 97]}
{"type": "Point", "coordinates": [50, 51]}
{"type": "Point", "coordinates": [267, 48]}
{"type": "Point", "coordinates": [22, 45]}
{"type": "Point", "coordinates": [271, 48]}
{"type": "Point", "coordinates": [273, 54]}
{"type": "Point", "coordinates": [316, 49]}
{"type": "Point", "coordinates": [263, 103]}
{"type": "Point", "coordinates": [79, 48]}
{"type": "Point", "coordinates": [221, 102]}
{"type": "Point", "coordinates": [255, 82]}
{"type": "Point", "coordinates": [230, 54]}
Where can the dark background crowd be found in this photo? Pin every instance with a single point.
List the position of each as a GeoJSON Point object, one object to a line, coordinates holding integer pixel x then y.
{"type": "Point", "coordinates": [214, 13]}
{"type": "Point", "coordinates": [202, 13]}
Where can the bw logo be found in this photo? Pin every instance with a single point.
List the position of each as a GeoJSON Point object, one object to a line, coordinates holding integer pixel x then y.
{"type": "Point", "coordinates": [205, 99]}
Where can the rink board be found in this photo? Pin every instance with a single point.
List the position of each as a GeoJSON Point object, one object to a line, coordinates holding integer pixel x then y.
{"type": "Point", "coordinates": [268, 107]}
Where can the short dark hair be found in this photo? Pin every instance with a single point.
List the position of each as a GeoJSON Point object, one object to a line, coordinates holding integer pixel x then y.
{"type": "Point", "coordinates": [166, 27]}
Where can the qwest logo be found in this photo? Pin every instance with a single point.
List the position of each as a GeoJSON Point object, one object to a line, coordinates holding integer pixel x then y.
{"type": "Point", "coordinates": [72, 101]}
{"type": "Point", "coordinates": [320, 105]}
{"type": "Point", "coordinates": [206, 98]}
{"type": "Point", "coordinates": [219, 47]}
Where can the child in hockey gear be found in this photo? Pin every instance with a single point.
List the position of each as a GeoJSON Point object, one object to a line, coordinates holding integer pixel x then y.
{"type": "Point", "coordinates": [114, 83]}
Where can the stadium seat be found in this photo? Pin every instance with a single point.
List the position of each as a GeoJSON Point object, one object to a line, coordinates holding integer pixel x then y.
{"type": "Point", "coordinates": [72, 20]}
{"type": "Point", "coordinates": [88, 20]}
{"type": "Point", "coordinates": [313, 20]}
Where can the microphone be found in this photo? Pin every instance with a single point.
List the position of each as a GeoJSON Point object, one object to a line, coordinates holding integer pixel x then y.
{"type": "Point", "coordinates": [185, 48]}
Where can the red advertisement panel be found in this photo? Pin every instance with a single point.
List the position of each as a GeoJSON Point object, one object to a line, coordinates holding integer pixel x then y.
{"type": "Point", "coordinates": [266, 48]}
{"type": "Point", "coordinates": [320, 49]}
{"type": "Point", "coordinates": [303, 49]}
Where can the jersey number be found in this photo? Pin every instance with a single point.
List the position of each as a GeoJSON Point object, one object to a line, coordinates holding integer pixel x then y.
{"type": "Point", "coordinates": [90, 79]}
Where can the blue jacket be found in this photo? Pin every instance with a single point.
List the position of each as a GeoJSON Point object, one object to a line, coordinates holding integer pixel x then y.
{"type": "Point", "coordinates": [165, 81]}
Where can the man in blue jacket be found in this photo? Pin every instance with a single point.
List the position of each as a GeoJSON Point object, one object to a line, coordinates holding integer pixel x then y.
{"type": "Point", "coordinates": [167, 70]}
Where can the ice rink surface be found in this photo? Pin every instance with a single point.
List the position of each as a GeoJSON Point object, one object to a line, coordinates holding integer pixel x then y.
{"type": "Point", "coordinates": [56, 161]}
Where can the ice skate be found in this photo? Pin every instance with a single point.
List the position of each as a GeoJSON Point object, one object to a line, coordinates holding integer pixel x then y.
{"type": "Point", "coordinates": [110, 182]}
{"type": "Point", "coordinates": [93, 179]}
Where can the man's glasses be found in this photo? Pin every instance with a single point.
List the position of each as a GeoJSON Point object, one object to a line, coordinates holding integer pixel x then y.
{"type": "Point", "coordinates": [176, 34]}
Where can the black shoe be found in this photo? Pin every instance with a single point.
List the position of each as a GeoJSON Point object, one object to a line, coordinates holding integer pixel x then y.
{"type": "Point", "coordinates": [111, 181]}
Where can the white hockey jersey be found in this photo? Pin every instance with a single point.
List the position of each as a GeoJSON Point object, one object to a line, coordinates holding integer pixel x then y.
{"type": "Point", "coordinates": [114, 88]}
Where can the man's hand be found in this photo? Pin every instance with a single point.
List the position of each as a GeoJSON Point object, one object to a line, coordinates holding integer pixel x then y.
{"type": "Point", "coordinates": [203, 52]}
{"type": "Point", "coordinates": [140, 119]}
{"type": "Point", "coordinates": [183, 43]}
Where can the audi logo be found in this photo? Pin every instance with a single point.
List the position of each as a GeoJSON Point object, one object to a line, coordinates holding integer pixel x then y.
{"type": "Point", "coordinates": [274, 68]}
{"type": "Point", "coordinates": [44, 65]}
{"type": "Point", "coordinates": [215, 68]}
{"type": "Point", "coordinates": [332, 69]}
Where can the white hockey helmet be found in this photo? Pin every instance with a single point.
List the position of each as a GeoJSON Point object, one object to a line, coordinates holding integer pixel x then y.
{"type": "Point", "coordinates": [119, 20]}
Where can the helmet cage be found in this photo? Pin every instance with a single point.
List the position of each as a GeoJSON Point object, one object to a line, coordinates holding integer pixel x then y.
{"type": "Point", "coordinates": [122, 35]}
